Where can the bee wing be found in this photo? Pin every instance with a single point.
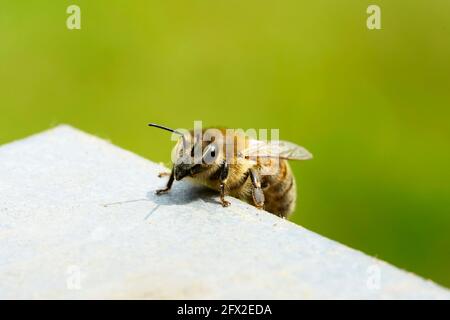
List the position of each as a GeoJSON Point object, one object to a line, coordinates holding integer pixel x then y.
{"type": "Point", "coordinates": [275, 149]}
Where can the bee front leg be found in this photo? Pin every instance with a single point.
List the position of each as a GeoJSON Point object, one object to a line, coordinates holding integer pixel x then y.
{"type": "Point", "coordinates": [163, 174]}
{"type": "Point", "coordinates": [257, 193]}
{"type": "Point", "coordinates": [169, 184]}
{"type": "Point", "coordinates": [223, 181]}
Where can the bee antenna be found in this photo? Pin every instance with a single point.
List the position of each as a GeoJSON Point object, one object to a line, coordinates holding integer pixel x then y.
{"type": "Point", "coordinates": [171, 130]}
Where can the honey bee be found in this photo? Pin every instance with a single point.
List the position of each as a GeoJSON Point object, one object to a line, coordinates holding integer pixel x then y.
{"type": "Point", "coordinates": [251, 170]}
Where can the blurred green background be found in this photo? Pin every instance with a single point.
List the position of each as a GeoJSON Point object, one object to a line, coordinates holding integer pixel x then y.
{"type": "Point", "coordinates": [372, 106]}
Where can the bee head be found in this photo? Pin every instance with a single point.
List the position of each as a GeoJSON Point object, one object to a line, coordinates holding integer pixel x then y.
{"type": "Point", "coordinates": [194, 158]}
{"type": "Point", "coordinates": [193, 155]}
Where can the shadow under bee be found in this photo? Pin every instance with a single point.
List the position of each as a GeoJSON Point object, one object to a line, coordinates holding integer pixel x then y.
{"type": "Point", "coordinates": [184, 195]}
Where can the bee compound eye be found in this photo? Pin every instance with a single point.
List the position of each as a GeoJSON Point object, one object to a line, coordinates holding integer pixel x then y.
{"type": "Point", "coordinates": [210, 155]}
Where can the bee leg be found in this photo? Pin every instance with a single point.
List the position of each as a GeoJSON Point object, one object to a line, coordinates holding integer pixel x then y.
{"type": "Point", "coordinates": [257, 193]}
{"type": "Point", "coordinates": [163, 174]}
{"type": "Point", "coordinates": [223, 181]}
{"type": "Point", "coordinates": [168, 186]}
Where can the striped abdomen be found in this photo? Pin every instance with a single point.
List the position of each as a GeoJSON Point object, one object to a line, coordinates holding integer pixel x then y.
{"type": "Point", "coordinates": [280, 191]}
